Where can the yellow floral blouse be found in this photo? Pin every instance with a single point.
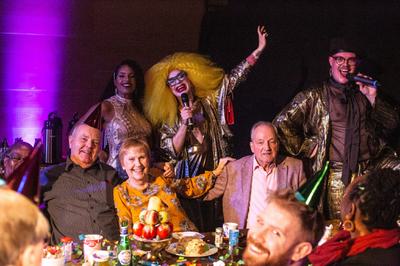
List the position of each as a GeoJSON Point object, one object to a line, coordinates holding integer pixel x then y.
{"type": "Point", "coordinates": [129, 201]}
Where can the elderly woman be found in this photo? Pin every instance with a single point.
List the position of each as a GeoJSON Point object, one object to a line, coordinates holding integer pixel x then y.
{"type": "Point", "coordinates": [132, 196]}
{"type": "Point", "coordinates": [23, 230]}
{"type": "Point", "coordinates": [371, 215]}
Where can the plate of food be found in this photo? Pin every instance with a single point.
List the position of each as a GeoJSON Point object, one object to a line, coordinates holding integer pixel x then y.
{"type": "Point", "coordinates": [191, 248]}
{"type": "Point", "coordinates": [187, 234]}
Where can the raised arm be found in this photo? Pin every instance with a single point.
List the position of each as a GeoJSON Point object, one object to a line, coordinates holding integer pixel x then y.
{"type": "Point", "coordinates": [262, 41]}
{"type": "Point", "coordinates": [382, 113]}
{"type": "Point", "coordinates": [239, 73]}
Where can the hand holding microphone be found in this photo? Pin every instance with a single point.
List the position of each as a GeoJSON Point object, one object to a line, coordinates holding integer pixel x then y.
{"type": "Point", "coordinates": [186, 112]}
{"type": "Point", "coordinates": [368, 86]}
{"type": "Point", "coordinates": [366, 81]}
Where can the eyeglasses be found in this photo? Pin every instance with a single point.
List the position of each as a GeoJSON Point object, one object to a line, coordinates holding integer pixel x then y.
{"type": "Point", "coordinates": [352, 61]}
{"type": "Point", "coordinates": [14, 157]}
{"type": "Point", "coordinates": [177, 79]}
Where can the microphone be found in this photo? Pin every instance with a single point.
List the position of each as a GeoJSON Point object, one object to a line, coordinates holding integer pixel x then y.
{"type": "Point", "coordinates": [185, 103]}
{"type": "Point", "coordinates": [370, 82]}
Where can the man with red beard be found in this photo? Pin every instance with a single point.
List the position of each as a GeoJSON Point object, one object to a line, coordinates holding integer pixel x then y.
{"type": "Point", "coordinates": [341, 121]}
{"type": "Point", "coordinates": [285, 234]}
{"type": "Point", "coordinates": [79, 193]}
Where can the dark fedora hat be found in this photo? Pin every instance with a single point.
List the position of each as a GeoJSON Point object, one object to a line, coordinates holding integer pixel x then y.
{"type": "Point", "coordinates": [342, 44]}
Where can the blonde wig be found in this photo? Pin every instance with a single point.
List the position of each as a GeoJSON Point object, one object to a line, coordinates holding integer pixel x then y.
{"type": "Point", "coordinates": [160, 104]}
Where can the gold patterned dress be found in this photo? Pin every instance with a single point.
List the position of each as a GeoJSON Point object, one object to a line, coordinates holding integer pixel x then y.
{"type": "Point", "coordinates": [129, 201]}
{"type": "Point", "coordinates": [127, 122]}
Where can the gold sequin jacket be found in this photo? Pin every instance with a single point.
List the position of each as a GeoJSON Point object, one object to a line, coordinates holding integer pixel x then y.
{"type": "Point", "coordinates": [305, 123]}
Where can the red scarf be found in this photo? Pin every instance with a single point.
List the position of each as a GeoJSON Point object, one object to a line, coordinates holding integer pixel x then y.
{"type": "Point", "coordinates": [342, 245]}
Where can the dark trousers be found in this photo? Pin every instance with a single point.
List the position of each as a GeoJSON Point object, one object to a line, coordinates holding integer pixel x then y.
{"type": "Point", "coordinates": [206, 215]}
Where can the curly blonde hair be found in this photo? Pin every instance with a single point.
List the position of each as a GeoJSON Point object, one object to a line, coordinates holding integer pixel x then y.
{"type": "Point", "coordinates": [160, 105]}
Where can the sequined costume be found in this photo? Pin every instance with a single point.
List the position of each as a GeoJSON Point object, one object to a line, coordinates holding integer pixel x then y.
{"type": "Point", "coordinates": [196, 158]}
{"type": "Point", "coordinates": [127, 122]}
{"type": "Point", "coordinates": [129, 202]}
{"type": "Point", "coordinates": [211, 89]}
{"type": "Point", "coordinates": [306, 123]}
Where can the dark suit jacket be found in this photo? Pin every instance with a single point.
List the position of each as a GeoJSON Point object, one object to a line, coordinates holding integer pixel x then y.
{"type": "Point", "coordinates": [235, 185]}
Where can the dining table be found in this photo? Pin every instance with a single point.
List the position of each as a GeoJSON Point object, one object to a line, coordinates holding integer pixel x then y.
{"type": "Point", "coordinates": [222, 254]}
{"type": "Point", "coordinates": [219, 256]}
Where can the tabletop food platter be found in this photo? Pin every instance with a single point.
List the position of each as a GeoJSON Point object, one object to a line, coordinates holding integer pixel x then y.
{"type": "Point", "coordinates": [172, 250]}
{"type": "Point", "coordinates": [191, 234]}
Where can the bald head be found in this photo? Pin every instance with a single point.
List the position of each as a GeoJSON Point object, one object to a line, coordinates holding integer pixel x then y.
{"type": "Point", "coordinates": [263, 124]}
{"type": "Point", "coordinates": [264, 143]}
{"type": "Point", "coordinates": [84, 143]}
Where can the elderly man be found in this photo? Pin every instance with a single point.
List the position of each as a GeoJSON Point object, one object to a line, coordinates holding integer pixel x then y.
{"type": "Point", "coordinates": [339, 121]}
{"type": "Point", "coordinates": [79, 192]}
{"type": "Point", "coordinates": [286, 232]}
{"type": "Point", "coordinates": [246, 183]}
{"type": "Point", "coordinates": [23, 229]}
{"type": "Point", "coordinates": [15, 156]}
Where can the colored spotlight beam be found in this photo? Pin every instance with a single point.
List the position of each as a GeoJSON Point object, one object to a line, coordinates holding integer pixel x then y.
{"type": "Point", "coordinates": [34, 34]}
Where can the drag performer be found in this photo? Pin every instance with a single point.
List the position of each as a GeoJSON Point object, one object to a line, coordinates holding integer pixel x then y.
{"type": "Point", "coordinates": [340, 121]}
{"type": "Point", "coordinates": [197, 147]}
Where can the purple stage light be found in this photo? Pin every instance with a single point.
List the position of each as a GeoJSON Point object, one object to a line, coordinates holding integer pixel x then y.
{"type": "Point", "coordinates": [34, 33]}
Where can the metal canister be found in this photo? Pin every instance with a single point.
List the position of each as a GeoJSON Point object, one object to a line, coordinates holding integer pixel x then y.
{"type": "Point", "coordinates": [52, 139]}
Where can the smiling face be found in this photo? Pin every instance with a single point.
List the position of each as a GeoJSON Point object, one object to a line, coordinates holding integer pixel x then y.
{"type": "Point", "coordinates": [264, 144]}
{"type": "Point", "coordinates": [15, 158]}
{"type": "Point", "coordinates": [125, 81]}
{"type": "Point", "coordinates": [275, 238]}
{"type": "Point", "coordinates": [179, 83]}
{"type": "Point", "coordinates": [85, 145]}
{"type": "Point", "coordinates": [136, 162]}
{"type": "Point", "coordinates": [341, 64]}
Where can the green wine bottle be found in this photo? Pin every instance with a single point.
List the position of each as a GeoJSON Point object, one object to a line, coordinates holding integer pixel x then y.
{"type": "Point", "coordinates": [124, 251]}
{"type": "Point", "coordinates": [310, 192]}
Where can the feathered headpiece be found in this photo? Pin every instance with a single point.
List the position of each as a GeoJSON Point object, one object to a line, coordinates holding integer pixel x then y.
{"type": "Point", "coordinates": [160, 104]}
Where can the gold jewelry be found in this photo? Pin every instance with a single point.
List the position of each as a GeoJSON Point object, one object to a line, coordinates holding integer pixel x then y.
{"type": "Point", "coordinates": [348, 225]}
